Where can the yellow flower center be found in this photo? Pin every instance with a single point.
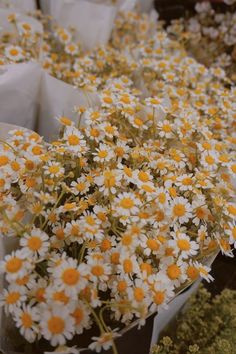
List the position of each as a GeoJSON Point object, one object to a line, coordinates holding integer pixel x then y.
{"type": "Point", "coordinates": [139, 294]}
{"type": "Point", "coordinates": [183, 245]}
{"type": "Point", "coordinates": [128, 266]}
{"type": "Point", "coordinates": [73, 140]}
{"type": "Point", "coordinates": [107, 99]}
{"type": "Point", "coordinates": [70, 276]}
{"type": "Point", "coordinates": [97, 270]}
{"type": "Point", "coordinates": [179, 210]}
{"type": "Point", "coordinates": [3, 160]}
{"type": "Point", "coordinates": [173, 272]}
{"type": "Point", "coordinates": [36, 150]}
{"type": "Point", "coordinates": [61, 297]}
{"type": "Point", "coordinates": [56, 325]}
{"type": "Point", "coordinates": [232, 210]}
{"type": "Point", "coordinates": [14, 265]}
{"type": "Point", "coordinates": [54, 169]}
{"type": "Point", "coordinates": [192, 272]}
{"type": "Point", "coordinates": [126, 203]}
{"type": "Point", "coordinates": [34, 243]}
{"type": "Point", "coordinates": [162, 198]}
{"type": "Point", "coordinates": [102, 154]}
{"type": "Point", "coordinates": [210, 160]}
{"type": "Point", "coordinates": [166, 128]}
{"type": "Point", "coordinates": [26, 320]}
{"type": "Point", "coordinates": [14, 52]}
{"type": "Point", "coordinates": [159, 297]}
{"type": "Point", "coordinates": [65, 121]}
{"type": "Point", "coordinates": [187, 181]}
{"type": "Point", "coordinates": [153, 244]}
{"type": "Point", "coordinates": [78, 315]}
{"type": "Point", "coordinates": [12, 298]}
{"type": "Point", "coordinates": [122, 286]}
{"type": "Point", "coordinates": [143, 176]}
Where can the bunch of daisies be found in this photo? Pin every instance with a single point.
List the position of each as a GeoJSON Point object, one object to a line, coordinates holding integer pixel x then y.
{"type": "Point", "coordinates": [210, 36]}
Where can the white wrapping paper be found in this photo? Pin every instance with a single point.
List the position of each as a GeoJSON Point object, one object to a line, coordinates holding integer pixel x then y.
{"type": "Point", "coordinates": [20, 5]}
{"type": "Point", "coordinates": [93, 21]}
{"type": "Point", "coordinates": [5, 25]}
{"type": "Point", "coordinates": [58, 98]}
{"type": "Point", "coordinates": [19, 92]}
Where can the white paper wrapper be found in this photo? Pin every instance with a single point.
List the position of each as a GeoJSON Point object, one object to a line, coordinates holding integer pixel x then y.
{"type": "Point", "coordinates": [19, 92]}
{"type": "Point", "coordinates": [58, 98]}
{"type": "Point", "coordinates": [20, 5]}
{"type": "Point", "coordinates": [146, 5]}
{"type": "Point", "coordinates": [128, 5]}
{"type": "Point", "coordinates": [5, 25]}
{"type": "Point", "coordinates": [93, 21]}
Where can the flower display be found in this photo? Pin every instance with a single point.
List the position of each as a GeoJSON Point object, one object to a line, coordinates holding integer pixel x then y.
{"type": "Point", "coordinates": [119, 213]}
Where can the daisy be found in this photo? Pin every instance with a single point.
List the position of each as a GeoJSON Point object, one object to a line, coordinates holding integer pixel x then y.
{"type": "Point", "coordinates": [109, 181]}
{"type": "Point", "coordinates": [139, 293]}
{"type": "Point", "coordinates": [155, 102]}
{"type": "Point", "coordinates": [81, 315]}
{"type": "Point", "coordinates": [185, 182]}
{"type": "Point", "coordinates": [103, 153]}
{"type": "Point", "coordinates": [56, 324]}
{"type": "Point", "coordinates": [181, 210]}
{"type": "Point", "coordinates": [105, 341]}
{"type": "Point", "coordinates": [70, 276]}
{"type": "Point", "coordinates": [35, 244]}
{"type": "Point", "coordinates": [14, 53]}
{"type": "Point", "coordinates": [72, 49]}
{"type": "Point", "coordinates": [80, 186]}
{"type": "Point", "coordinates": [128, 264]}
{"type": "Point", "coordinates": [74, 140]}
{"type": "Point", "coordinates": [162, 197]}
{"type": "Point", "coordinates": [150, 245]}
{"type": "Point", "coordinates": [99, 271]}
{"type": "Point", "coordinates": [12, 298]}
{"type": "Point", "coordinates": [126, 204]}
{"type": "Point", "coordinates": [26, 318]}
{"type": "Point", "coordinates": [203, 271]}
{"type": "Point", "coordinates": [15, 265]}
{"type": "Point", "coordinates": [183, 246]}
{"type": "Point", "coordinates": [175, 271]}
{"type": "Point", "coordinates": [54, 169]}
{"type": "Point", "coordinates": [165, 129]}
{"type": "Point", "coordinates": [162, 293]}
{"type": "Point", "coordinates": [24, 27]}
{"type": "Point", "coordinates": [209, 160]}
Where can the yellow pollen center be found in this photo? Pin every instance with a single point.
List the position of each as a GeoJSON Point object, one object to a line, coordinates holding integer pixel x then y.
{"type": "Point", "coordinates": [173, 272]}
{"type": "Point", "coordinates": [70, 276]}
{"type": "Point", "coordinates": [179, 210]}
{"type": "Point", "coordinates": [26, 320]}
{"type": "Point", "coordinates": [127, 203]}
{"type": "Point", "coordinates": [12, 298]}
{"type": "Point", "coordinates": [73, 140]}
{"type": "Point", "coordinates": [183, 245]}
{"type": "Point", "coordinates": [97, 270]}
{"type": "Point", "coordinates": [14, 265]}
{"type": "Point", "coordinates": [56, 325]}
{"type": "Point", "coordinates": [34, 243]}
{"type": "Point", "coordinates": [138, 294]}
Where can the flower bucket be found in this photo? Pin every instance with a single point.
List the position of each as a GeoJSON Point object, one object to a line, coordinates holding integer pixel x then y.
{"type": "Point", "coordinates": [19, 103]}
{"type": "Point", "coordinates": [93, 22]}
{"type": "Point", "coordinates": [21, 5]}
